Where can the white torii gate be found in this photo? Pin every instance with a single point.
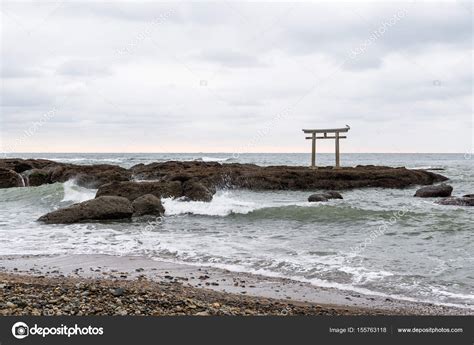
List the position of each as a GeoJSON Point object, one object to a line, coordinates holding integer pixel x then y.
{"type": "Point", "coordinates": [324, 132]}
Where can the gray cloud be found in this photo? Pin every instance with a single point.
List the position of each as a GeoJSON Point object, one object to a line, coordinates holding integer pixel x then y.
{"type": "Point", "coordinates": [224, 71]}
{"type": "Point", "coordinates": [83, 68]}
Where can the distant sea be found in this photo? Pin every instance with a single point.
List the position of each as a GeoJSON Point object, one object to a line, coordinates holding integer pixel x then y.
{"type": "Point", "coordinates": [424, 253]}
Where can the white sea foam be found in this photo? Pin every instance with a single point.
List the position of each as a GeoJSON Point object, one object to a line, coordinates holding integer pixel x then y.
{"type": "Point", "coordinates": [75, 193]}
{"type": "Point", "coordinates": [363, 275]}
{"type": "Point", "coordinates": [213, 159]}
{"type": "Point", "coordinates": [222, 204]}
{"type": "Point", "coordinates": [328, 284]}
{"type": "Point", "coordinates": [86, 160]}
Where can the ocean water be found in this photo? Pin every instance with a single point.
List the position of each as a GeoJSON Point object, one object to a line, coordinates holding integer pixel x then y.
{"type": "Point", "coordinates": [378, 241]}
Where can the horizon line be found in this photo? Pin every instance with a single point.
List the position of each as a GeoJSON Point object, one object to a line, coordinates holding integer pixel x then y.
{"type": "Point", "coordinates": [217, 152]}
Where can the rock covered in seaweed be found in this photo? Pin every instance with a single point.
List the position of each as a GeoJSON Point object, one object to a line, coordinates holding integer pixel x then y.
{"type": "Point", "coordinates": [37, 177]}
{"type": "Point", "coordinates": [196, 191]}
{"type": "Point", "coordinates": [214, 175]}
{"type": "Point", "coordinates": [254, 177]}
{"type": "Point", "coordinates": [132, 190]}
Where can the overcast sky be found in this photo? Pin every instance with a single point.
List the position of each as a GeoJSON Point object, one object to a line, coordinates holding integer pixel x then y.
{"type": "Point", "coordinates": [235, 77]}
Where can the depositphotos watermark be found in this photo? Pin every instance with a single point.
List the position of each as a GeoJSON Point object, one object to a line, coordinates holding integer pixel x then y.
{"type": "Point", "coordinates": [21, 330]}
{"type": "Point", "coordinates": [378, 33]}
{"type": "Point", "coordinates": [381, 230]}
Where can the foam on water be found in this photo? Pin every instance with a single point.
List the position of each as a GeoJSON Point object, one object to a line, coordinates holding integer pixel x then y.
{"type": "Point", "coordinates": [221, 205]}
{"type": "Point", "coordinates": [214, 159]}
{"type": "Point", "coordinates": [75, 193]}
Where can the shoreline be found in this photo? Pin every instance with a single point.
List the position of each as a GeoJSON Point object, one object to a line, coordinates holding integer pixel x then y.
{"type": "Point", "coordinates": [245, 290]}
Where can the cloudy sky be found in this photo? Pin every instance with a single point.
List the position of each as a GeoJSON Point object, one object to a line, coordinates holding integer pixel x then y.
{"type": "Point", "coordinates": [235, 76]}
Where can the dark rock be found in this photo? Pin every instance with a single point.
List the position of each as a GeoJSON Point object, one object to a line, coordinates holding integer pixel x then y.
{"type": "Point", "coordinates": [117, 292]}
{"type": "Point", "coordinates": [196, 191]}
{"type": "Point", "coordinates": [464, 201]}
{"type": "Point", "coordinates": [21, 165]}
{"type": "Point", "coordinates": [442, 190]}
{"type": "Point", "coordinates": [147, 205]}
{"type": "Point", "coordinates": [254, 177]}
{"type": "Point", "coordinates": [214, 175]}
{"type": "Point", "coordinates": [181, 177]}
{"type": "Point", "coordinates": [103, 208]}
{"type": "Point", "coordinates": [36, 177]}
{"type": "Point", "coordinates": [468, 196]}
{"type": "Point", "coordinates": [89, 176]}
{"type": "Point", "coordinates": [317, 198]}
{"type": "Point", "coordinates": [332, 195]}
{"type": "Point", "coordinates": [9, 178]}
{"type": "Point", "coordinates": [132, 190]}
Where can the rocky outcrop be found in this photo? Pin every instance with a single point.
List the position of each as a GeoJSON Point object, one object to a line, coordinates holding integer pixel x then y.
{"type": "Point", "coordinates": [442, 190]}
{"type": "Point", "coordinates": [195, 191]}
{"type": "Point", "coordinates": [318, 197]}
{"type": "Point", "coordinates": [10, 178]}
{"type": "Point", "coordinates": [103, 208]}
{"type": "Point", "coordinates": [213, 175]}
{"type": "Point", "coordinates": [286, 177]}
{"type": "Point", "coordinates": [147, 205]}
{"type": "Point", "coordinates": [21, 165]}
{"type": "Point", "coordinates": [453, 201]}
{"type": "Point", "coordinates": [132, 190]}
{"type": "Point", "coordinates": [89, 176]}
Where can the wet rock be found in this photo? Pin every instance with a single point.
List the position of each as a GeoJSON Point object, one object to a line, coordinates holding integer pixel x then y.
{"type": "Point", "coordinates": [442, 190]}
{"type": "Point", "coordinates": [196, 191]}
{"type": "Point", "coordinates": [37, 177]}
{"type": "Point", "coordinates": [251, 176]}
{"type": "Point", "coordinates": [453, 201]}
{"type": "Point", "coordinates": [102, 208]}
{"type": "Point", "coordinates": [21, 165]}
{"type": "Point", "coordinates": [332, 195]}
{"type": "Point", "coordinates": [10, 178]}
{"type": "Point", "coordinates": [180, 177]}
{"type": "Point", "coordinates": [317, 198]}
{"type": "Point", "coordinates": [468, 196]}
{"type": "Point", "coordinates": [117, 292]}
{"type": "Point", "coordinates": [147, 204]}
{"type": "Point", "coordinates": [213, 175]}
{"type": "Point", "coordinates": [133, 190]}
{"type": "Point", "coordinates": [89, 176]}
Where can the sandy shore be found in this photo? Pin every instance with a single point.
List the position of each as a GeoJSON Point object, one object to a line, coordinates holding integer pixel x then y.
{"type": "Point", "coordinates": [110, 285]}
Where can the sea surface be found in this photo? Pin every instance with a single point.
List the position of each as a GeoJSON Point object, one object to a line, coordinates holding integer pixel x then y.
{"type": "Point", "coordinates": [377, 241]}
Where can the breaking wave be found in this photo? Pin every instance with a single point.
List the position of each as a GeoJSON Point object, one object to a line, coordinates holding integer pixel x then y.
{"type": "Point", "coordinates": [225, 203]}
{"type": "Point", "coordinates": [215, 159]}
{"type": "Point", "coordinates": [75, 193]}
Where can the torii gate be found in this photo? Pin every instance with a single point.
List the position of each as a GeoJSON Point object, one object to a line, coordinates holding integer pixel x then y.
{"type": "Point", "coordinates": [325, 132]}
